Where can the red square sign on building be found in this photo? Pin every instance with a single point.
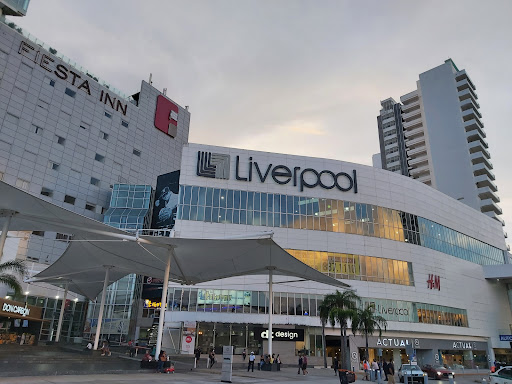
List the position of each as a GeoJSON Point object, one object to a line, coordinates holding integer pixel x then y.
{"type": "Point", "coordinates": [166, 116]}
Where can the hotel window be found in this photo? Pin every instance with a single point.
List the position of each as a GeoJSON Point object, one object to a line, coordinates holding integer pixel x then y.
{"type": "Point", "coordinates": [38, 233]}
{"type": "Point", "coordinates": [104, 135]}
{"type": "Point", "coordinates": [60, 140]}
{"type": "Point", "coordinates": [46, 192]}
{"type": "Point", "coordinates": [37, 130]}
{"type": "Point", "coordinates": [69, 199]}
{"type": "Point", "coordinates": [54, 166]}
{"type": "Point", "coordinates": [70, 92]}
{"type": "Point", "coordinates": [136, 152]}
{"type": "Point", "coordinates": [124, 123]}
{"type": "Point", "coordinates": [99, 158]}
{"type": "Point", "coordinates": [62, 237]}
{"type": "Point", "coordinates": [95, 181]}
{"type": "Point", "coordinates": [90, 207]}
{"type": "Point", "coordinates": [84, 125]}
{"type": "Point", "coordinates": [108, 115]}
{"type": "Point", "coordinates": [22, 184]}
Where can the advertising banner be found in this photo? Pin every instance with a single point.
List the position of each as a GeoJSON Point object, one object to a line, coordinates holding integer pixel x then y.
{"type": "Point", "coordinates": [225, 297]}
{"type": "Point", "coordinates": [188, 339]}
{"type": "Point", "coordinates": [166, 200]}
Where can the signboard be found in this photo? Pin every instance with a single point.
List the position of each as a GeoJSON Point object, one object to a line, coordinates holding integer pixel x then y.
{"type": "Point", "coordinates": [505, 337]}
{"type": "Point", "coordinates": [227, 364]}
{"type": "Point", "coordinates": [224, 297]}
{"type": "Point", "coordinates": [279, 334]}
{"type": "Point", "coordinates": [188, 339]}
{"type": "Point", "coordinates": [15, 309]}
{"type": "Point", "coordinates": [152, 288]}
{"type": "Point", "coordinates": [393, 342]}
{"type": "Point", "coordinates": [166, 200]}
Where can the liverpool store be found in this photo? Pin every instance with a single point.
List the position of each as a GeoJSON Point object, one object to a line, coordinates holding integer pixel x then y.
{"type": "Point", "coordinates": [415, 255]}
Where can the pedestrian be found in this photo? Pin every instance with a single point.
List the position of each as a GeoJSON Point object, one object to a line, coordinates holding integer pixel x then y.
{"type": "Point", "coordinates": [365, 369]}
{"type": "Point", "coordinates": [244, 354]}
{"type": "Point", "coordinates": [278, 360]}
{"type": "Point", "coordinates": [385, 369]}
{"type": "Point", "coordinates": [251, 361]}
{"type": "Point", "coordinates": [212, 358]}
{"type": "Point", "coordinates": [300, 364]}
{"type": "Point", "coordinates": [273, 358]}
{"type": "Point", "coordinates": [335, 365]}
{"type": "Point", "coordinates": [262, 361]}
{"type": "Point", "coordinates": [162, 358]}
{"type": "Point", "coordinates": [375, 368]}
{"type": "Point", "coordinates": [391, 372]}
{"type": "Point", "coordinates": [305, 365]}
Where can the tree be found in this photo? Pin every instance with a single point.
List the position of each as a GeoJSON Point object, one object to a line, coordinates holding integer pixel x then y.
{"type": "Point", "coordinates": [366, 322]}
{"type": "Point", "coordinates": [8, 278]}
{"type": "Point", "coordinates": [324, 316]}
{"type": "Point", "coordinates": [340, 307]}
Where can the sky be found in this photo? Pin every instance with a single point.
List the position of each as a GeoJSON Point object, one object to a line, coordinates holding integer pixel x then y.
{"type": "Point", "coordinates": [298, 77]}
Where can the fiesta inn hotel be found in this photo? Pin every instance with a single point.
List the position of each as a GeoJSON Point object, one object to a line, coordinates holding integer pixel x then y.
{"type": "Point", "coordinates": [434, 267]}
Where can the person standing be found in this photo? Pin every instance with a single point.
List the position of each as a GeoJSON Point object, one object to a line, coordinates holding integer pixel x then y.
{"type": "Point", "coordinates": [251, 361]}
{"type": "Point", "coordinates": [375, 368]}
{"type": "Point", "coordinates": [385, 369]}
{"type": "Point", "coordinates": [212, 358]}
{"type": "Point", "coordinates": [391, 372]}
{"type": "Point", "coordinates": [365, 368]}
{"type": "Point", "coordinates": [300, 364]}
{"type": "Point", "coordinates": [305, 365]}
{"type": "Point", "coordinates": [335, 365]}
{"type": "Point", "coordinates": [244, 355]}
{"type": "Point", "coordinates": [162, 358]}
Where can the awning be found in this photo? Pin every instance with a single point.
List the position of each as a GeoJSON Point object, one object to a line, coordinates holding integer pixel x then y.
{"type": "Point", "coordinates": [96, 246]}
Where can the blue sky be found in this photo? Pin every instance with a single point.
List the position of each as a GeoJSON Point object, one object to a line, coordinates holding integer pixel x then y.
{"type": "Point", "coordinates": [300, 77]}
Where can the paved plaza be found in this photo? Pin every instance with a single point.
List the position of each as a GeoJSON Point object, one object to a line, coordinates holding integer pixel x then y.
{"type": "Point", "coordinates": [287, 375]}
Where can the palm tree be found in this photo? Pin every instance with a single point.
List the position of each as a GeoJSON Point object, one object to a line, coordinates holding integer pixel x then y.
{"type": "Point", "coordinates": [9, 279]}
{"type": "Point", "coordinates": [342, 307]}
{"type": "Point", "coordinates": [324, 316]}
{"type": "Point", "coordinates": [367, 322]}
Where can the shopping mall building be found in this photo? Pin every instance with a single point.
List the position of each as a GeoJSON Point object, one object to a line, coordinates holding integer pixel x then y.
{"type": "Point", "coordinates": [422, 259]}
{"type": "Point", "coordinates": [414, 254]}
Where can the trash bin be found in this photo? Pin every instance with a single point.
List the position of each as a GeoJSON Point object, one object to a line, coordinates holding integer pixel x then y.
{"type": "Point", "coordinates": [343, 377]}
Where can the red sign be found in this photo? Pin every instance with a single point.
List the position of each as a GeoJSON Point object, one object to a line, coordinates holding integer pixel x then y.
{"type": "Point", "coordinates": [188, 339]}
{"type": "Point", "coordinates": [166, 116]}
{"type": "Point", "coordinates": [434, 282]}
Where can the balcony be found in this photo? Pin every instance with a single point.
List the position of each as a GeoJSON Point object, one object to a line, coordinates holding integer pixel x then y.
{"type": "Point", "coordinates": [425, 179]}
{"type": "Point", "coordinates": [411, 143]}
{"type": "Point", "coordinates": [487, 193]}
{"type": "Point", "coordinates": [416, 151]}
{"type": "Point", "coordinates": [495, 217]}
{"type": "Point", "coordinates": [413, 115]}
{"type": "Point", "coordinates": [469, 104]}
{"type": "Point", "coordinates": [462, 75]}
{"type": "Point", "coordinates": [475, 135]}
{"type": "Point", "coordinates": [477, 146]}
{"type": "Point", "coordinates": [482, 169]}
{"type": "Point", "coordinates": [472, 113]}
{"type": "Point", "coordinates": [411, 106]}
{"type": "Point", "coordinates": [464, 84]}
{"type": "Point", "coordinates": [466, 94]}
{"type": "Point", "coordinates": [392, 145]}
{"type": "Point", "coordinates": [408, 125]}
{"type": "Point", "coordinates": [410, 98]}
{"type": "Point", "coordinates": [388, 120]}
{"type": "Point", "coordinates": [479, 157]}
{"type": "Point", "coordinates": [389, 129]}
{"type": "Point", "coordinates": [420, 170]}
{"type": "Point", "coordinates": [393, 164]}
{"type": "Point", "coordinates": [417, 161]}
{"type": "Point", "coordinates": [474, 124]}
{"type": "Point", "coordinates": [413, 132]}
{"type": "Point", "coordinates": [488, 205]}
{"type": "Point", "coordinates": [483, 181]}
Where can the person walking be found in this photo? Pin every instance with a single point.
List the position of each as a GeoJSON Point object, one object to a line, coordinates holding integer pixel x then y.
{"type": "Point", "coordinates": [391, 372]}
{"type": "Point", "coordinates": [365, 369]}
{"type": "Point", "coordinates": [335, 365]}
{"type": "Point", "coordinates": [305, 365]}
{"type": "Point", "coordinates": [385, 369]}
{"type": "Point", "coordinates": [212, 358]}
{"type": "Point", "coordinates": [300, 364]}
{"type": "Point", "coordinates": [375, 368]}
{"type": "Point", "coordinates": [251, 361]}
{"type": "Point", "coordinates": [244, 355]}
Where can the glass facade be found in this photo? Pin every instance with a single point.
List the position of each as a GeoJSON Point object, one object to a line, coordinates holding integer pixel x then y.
{"type": "Point", "coordinates": [214, 205]}
{"type": "Point", "coordinates": [304, 304]}
{"type": "Point", "coordinates": [130, 207]}
{"type": "Point", "coordinates": [357, 267]}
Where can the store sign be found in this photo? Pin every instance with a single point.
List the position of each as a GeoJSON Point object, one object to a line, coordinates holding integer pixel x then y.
{"type": "Point", "coordinates": [393, 342]}
{"type": "Point", "coordinates": [390, 310]}
{"type": "Point", "coordinates": [464, 345]}
{"type": "Point", "coordinates": [279, 334]}
{"type": "Point", "coordinates": [152, 304]}
{"type": "Point", "coordinates": [166, 116]}
{"type": "Point", "coordinates": [434, 282]}
{"type": "Point", "coordinates": [216, 165]}
{"type": "Point", "coordinates": [505, 337]}
{"type": "Point", "coordinates": [224, 297]}
{"type": "Point", "coordinates": [62, 72]}
{"type": "Point", "coordinates": [18, 309]}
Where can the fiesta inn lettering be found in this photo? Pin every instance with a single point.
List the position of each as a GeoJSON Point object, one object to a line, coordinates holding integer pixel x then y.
{"type": "Point", "coordinates": [282, 175]}
{"type": "Point", "coordinates": [62, 72]}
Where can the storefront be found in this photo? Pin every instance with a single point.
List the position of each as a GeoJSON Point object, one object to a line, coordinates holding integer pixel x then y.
{"type": "Point", "coordinates": [455, 353]}
{"type": "Point", "coordinates": [19, 323]}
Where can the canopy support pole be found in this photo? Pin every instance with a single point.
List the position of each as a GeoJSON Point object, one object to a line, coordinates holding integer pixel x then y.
{"type": "Point", "coordinates": [61, 316]}
{"type": "Point", "coordinates": [102, 304]}
{"type": "Point", "coordinates": [270, 312]}
{"type": "Point", "coordinates": [162, 307]}
{"type": "Point", "coordinates": [3, 236]}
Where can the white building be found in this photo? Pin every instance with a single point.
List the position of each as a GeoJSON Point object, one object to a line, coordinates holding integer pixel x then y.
{"type": "Point", "coordinates": [414, 254]}
{"type": "Point", "coordinates": [67, 137]}
{"type": "Point", "coordinates": [442, 130]}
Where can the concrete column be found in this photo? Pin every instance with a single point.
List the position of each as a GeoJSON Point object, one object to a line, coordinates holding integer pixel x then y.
{"type": "Point", "coordinates": [61, 315]}
{"type": "Point", "coordinates": [270, 310]}
{"type": "Point", "coordinates": [3, 235]}
{"type": "Point", "coordinates": [161, 320]}
{"type": "Point", "coordinates": [102, 305]}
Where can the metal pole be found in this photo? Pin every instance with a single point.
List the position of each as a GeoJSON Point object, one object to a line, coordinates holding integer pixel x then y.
{"type": "Point", "coordinates": [61, 316]}
{"type": "Point", "coordinates": [102, 304]}
{"type": "Point", "coordinates": [162, 307]}
{"type": "Point", "coordinates": [3, 236]}
{"type": "Point", "coordinates": [270, 310]}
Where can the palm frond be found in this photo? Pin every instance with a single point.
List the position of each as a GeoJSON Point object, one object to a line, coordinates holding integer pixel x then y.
{"type": "Point", "coordinates": [11, 281]}
{"type": "Point", "coordinates": [16, 266]}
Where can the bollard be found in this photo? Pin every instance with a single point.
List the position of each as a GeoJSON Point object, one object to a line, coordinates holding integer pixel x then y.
{"type": "Point", "coordinates": [406, 378]}
{"type": "Point", "coordinates": [425, 379]}
{"type": "Point", "coordinates": [379, 378]}
{"type": "Point", "coordinates": [195, 363]}
{"type": "Point", "coordinates": [484, 380]}
{"type": "Point", "coordinates": [450, 378]}
{"type": "Point", "coordinates": [477, 369]}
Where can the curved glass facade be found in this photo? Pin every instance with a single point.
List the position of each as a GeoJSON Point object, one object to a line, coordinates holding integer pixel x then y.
{"type": "Point", "coordinates": [304, 304]}
{"type": "Point", "coordinates": [357, 267]}
{"type": "Point", "coordinates": [129, 207]}
{"type": "Point", "coordinates": [215, 205]}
